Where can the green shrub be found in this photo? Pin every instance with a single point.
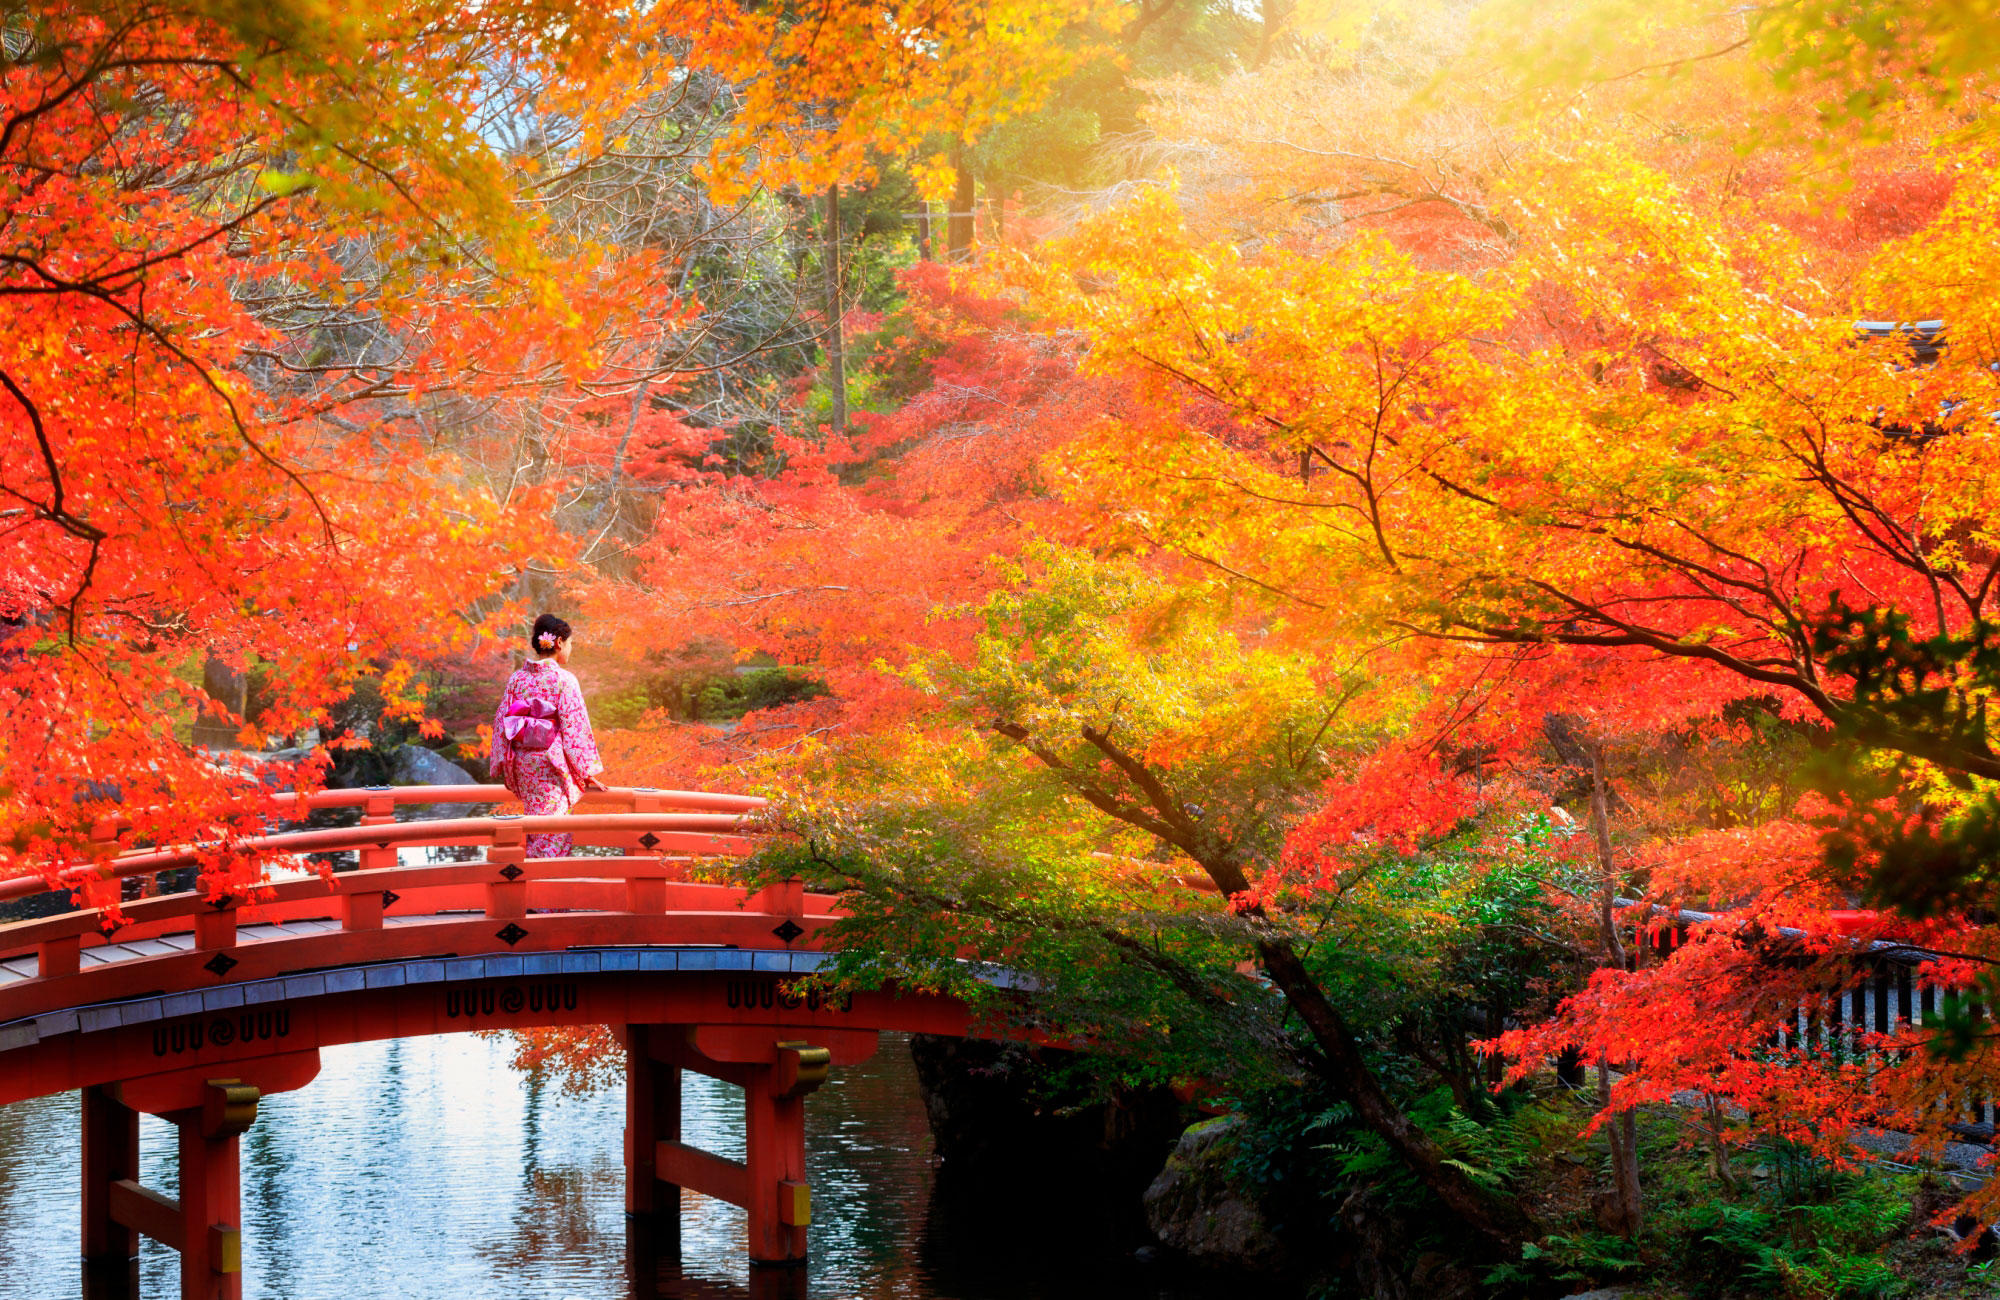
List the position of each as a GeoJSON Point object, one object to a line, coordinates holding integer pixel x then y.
{"type": "Point", "coordinates": [1812, 1233]}
{"type": "Point", "coordinates": [1590, 1257]}
{"type": "Point", "coordinates": [765, 688]}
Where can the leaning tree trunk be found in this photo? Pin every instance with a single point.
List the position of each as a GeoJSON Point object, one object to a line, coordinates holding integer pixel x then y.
{"type": "Point", "coordinates": [1500, 1222]}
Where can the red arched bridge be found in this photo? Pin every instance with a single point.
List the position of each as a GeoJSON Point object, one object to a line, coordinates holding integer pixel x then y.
{"type": "Point", "coordinates": [192, 1008]}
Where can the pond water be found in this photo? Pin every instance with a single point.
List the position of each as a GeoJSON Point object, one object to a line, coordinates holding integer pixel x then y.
{"type": "Point", "coordinates": [428, 1169]}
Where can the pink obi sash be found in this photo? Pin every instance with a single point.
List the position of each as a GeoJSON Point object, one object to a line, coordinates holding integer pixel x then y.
{"type": "Point", "coordinates": [529, 725]}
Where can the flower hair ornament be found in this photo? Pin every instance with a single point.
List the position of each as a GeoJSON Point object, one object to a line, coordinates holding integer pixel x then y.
{"type": "Point", "coordinates": [545, 641]}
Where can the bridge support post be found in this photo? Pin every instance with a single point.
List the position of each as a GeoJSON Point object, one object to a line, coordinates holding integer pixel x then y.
{"type": "Point", "coordinates": [110, 1153]}
{"type": "Point", "coordinates": [652, 1116]}
{"type": "Point", "coordinates": [211, 1206]}
{"type": "Point", "coordinates": [776, 1074]}
{"type": "Point", "coordinates": [774, 1149]}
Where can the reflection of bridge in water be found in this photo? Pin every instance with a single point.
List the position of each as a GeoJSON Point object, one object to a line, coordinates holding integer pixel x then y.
{"type": "Point", "coordinates": [194, 1008]}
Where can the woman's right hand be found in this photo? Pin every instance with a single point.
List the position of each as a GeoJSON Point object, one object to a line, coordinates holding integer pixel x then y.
{"type": "Point", "coordinates": [592, 783]}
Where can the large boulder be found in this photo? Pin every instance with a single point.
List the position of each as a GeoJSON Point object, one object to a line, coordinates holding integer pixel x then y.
{"type": "Point", "coordinates": [415, 765]}
{"type": "Point", "coordinates": [1198, 1209]}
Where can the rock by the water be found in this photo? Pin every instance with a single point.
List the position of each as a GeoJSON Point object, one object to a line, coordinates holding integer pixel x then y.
{"type": "Point", "coordinates": [415, 765]}
{"type": "Point", "coordinates": [1194, 1206]}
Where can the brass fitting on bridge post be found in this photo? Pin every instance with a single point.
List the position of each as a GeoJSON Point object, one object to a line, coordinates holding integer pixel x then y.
{"type": "Point", "coordinates": [228, 1109]}
{"type": "Point", "coordinates": [798, 1069]}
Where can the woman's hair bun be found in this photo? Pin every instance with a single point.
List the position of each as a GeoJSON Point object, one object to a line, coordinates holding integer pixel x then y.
{"type": "Point", "coordinates": [549, 631]}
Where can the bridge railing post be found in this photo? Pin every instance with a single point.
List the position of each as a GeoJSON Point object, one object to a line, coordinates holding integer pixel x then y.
{"type": "Point", "coordinates": [361, 909]}
{"type": "Point", "coordinates": [62, 956]}
{"type": "Point", "coordinates": [647, 893]}
{"type": "Point", "coordinates": [780, 898]}
{"type": "Point", "coordinates": [506, 888]}
{"type": "Point", "coordinates": [379, 810]}
{"type": "Point", "coordinates": [216, 927]}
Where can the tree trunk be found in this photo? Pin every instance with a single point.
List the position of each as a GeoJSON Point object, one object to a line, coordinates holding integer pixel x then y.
{"type": "Point", "coordinates": [1622, 1132]}
{"type": "Point", "coordinates": [836, 360]}
{"type": "Point", "coordinates": [1502, 1224]}
{"type": "Point", "coordinates": [958, 222]}
{"type": "Point", "coordinates": [1273, 13]}
{"type": "Point", "coordinates": [1723, 1169]}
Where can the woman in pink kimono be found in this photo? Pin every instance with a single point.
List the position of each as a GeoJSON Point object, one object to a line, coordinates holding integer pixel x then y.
{"type": "Point", "coordinates": [542, 747]}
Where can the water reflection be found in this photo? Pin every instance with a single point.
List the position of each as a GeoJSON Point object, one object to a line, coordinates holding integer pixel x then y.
{"type": "Point", "coordinates": [426, 1168]}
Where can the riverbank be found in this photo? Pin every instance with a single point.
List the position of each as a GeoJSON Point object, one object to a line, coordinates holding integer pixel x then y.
{"type": "Point", "coordinates": [1301, 1197]}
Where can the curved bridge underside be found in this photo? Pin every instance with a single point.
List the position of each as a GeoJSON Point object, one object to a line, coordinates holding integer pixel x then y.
{"type": "Point", "coordinates": [228, 1029]}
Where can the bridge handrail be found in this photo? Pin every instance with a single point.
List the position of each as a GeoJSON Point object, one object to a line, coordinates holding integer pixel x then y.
{"type": "Point", "coordinates": [397, 796]}
{"type": "Point", "coordinates": [1896, 950]}
{"type": "Point", "coordinates": [627, 796]}
{"type": "Point", "coordinates": [383, 835]}
{"type": "Point", "coordinates": [144, 917]}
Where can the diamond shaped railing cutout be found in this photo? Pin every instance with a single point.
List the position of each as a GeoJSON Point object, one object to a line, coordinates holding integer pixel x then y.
{"type": "Point", "coordinates": [789, 931]}
{"type": "Point", "coordinates": [649, 839]}
{"type": "Point", "coordinates": [220, 964]}
{"type": "Point", "coordinates": [512, 935]}
{"type": "Point", "coordinates": [511, 871]}
{"type": "Point", "coordinates": [390, 898]}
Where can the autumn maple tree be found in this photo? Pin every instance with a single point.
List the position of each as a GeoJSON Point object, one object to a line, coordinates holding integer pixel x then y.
{"type": "Point", "coordinates": [1562, 423]}
{"type": "Point", "coordinates": [268, 277]}
{"type": "Point", "coordinates": [1614, 438]}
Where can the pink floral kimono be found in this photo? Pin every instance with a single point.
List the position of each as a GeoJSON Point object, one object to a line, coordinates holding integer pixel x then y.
{"type": "Point", "coordinates": [542, 746]}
